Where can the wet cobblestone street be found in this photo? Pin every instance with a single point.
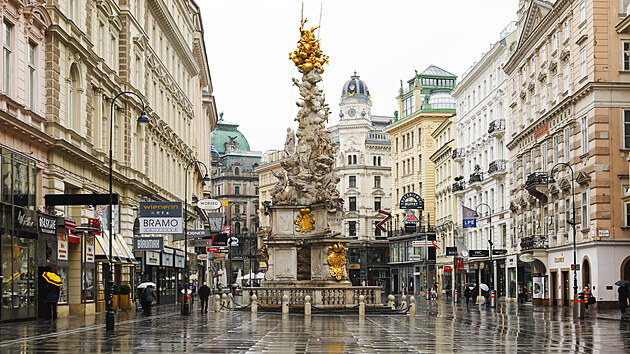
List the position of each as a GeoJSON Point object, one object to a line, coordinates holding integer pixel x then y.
{"type": "Point", "coordinates": [436, 328]}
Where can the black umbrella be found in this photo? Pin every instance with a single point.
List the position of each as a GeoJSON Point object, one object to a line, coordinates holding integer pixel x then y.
{"type": "Point", "coordinates": [623, 283]}
{"type": "Point", "coordinates": [470, 284]}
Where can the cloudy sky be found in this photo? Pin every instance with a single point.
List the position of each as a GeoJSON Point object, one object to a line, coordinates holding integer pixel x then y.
{"type": "Point", "coordinates": [248, 43]}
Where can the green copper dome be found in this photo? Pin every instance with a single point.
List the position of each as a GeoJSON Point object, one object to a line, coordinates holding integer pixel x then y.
{"type": "Point", "coordinates": [227, 135]}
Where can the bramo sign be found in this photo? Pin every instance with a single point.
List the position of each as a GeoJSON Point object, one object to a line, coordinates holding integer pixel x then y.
{"type": "Point", "coordinates": [160, 217]}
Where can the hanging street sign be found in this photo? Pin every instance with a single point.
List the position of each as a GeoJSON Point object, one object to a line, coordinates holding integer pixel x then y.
{"type": "Point", "coordinates": [148, 243]}
{"type": "Point", "coordinates": [192, 234]}
{"type": "Point", "coordinates": [478, 253]}
{"type": "Point", "coordinates": [199, 243]}
{"type": "Point", "coordinates": [411, 201]}
{"type": "Point", "coordinates": [387, 217]}
{"type": "Point", "coordinates": [233, 241]}
{"type": "Point", "coordinates": [160, 217]}
{"type": "Point", "coordinates": [202, 257]}
{"type": "Point", "coordinates": [415, 257]}
{"type": "Point", "coordinates": [422, 243]}
{"type": "Point", "coordinates": [451, 251]}
{"type": "Point", "coordinates": [209, 204]}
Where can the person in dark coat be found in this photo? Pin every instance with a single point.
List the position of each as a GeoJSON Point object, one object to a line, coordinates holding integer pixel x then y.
{"type": "Point", "coordinates": [623, 299]}
{"type": "Point", "coordinates": [147, 298]}
{"type": "Point", "coordinates": [467, 294]}
{"type": "Point", "coordinates": [204, 293]}
{"type": "Point", "coordinates": [52, 297]}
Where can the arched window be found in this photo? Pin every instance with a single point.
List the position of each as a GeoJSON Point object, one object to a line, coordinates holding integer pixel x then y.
{"type": "Point", "coordinates": [349, 159]}
{"type": "Point", "coordinates": [354, 159]}
{"type": "Point", "coordinates": [236, 171]}
{"type": "Point", "coordinates": [237, 209]}
{"type": "Point", "coordinates": [74, 111]}
{"type": "Point", "coordinates": [374, 161]}
{"type": "Point", "coordinates": [586, 273]}
{"type": "Point", "coordinates": [237, 228]}
{"type": "Point", "coordinates": [379, 160]}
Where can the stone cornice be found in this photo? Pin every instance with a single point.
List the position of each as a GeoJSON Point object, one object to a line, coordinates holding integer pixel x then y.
{"type": "Point", "coordinates": [479, 68]}
{"type": "Point", "coordinates": [169, 27]}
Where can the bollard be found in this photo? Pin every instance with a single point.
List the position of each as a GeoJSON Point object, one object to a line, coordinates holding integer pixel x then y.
{"type": "Point", "coordinates": [455, 296]}
{"type": "Point", "coordinates": [493, 298]}
{"type": "Point", "coordinates": [307, 305]}
{"type": "Point", "coordinates": [361, 305]}
{"type": "Point", "coordinates": [285, 304]}
{"type": "Point", "coordinates": [217, 303]}
{"type": "Point", "coordinates": [254, 303]}
{"type": "Point", "coordinates": [391, 303]}
{"type": "Point", "coordinates": [579, 306]}
{"type": "Point", "coordinates": [412, 306]}
{"type": "Point", "coordinates": [230, 301]}
{"type": "Point", "coordinates": [223, 301]}
{"type": "Point", "coordinates": [403, 303]}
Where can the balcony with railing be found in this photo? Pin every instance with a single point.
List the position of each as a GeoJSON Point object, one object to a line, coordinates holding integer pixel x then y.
{"type": "Point", "coordinates": [458, 187]}
{"type": "Point", "coordinates": [537, 184]}
{"type": "Point", "coordinates": [497, 168]}
{"type": "Point", "coordinates": [534, 242]}
{"type": "Point", "coordinates": [475, 179]}
{"type": "Point", "coordinates": [377, 138]}
{"type": "Point", "coordinates": [496, 127]}
{"type": "Point", "coordinates": [459, 154]}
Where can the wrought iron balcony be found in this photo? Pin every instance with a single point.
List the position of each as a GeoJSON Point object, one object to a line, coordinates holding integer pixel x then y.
{"type": "Point", "coordinates": [458, 187]}
{"type": "Point", "coordinates": [537, 178]}
{"type": "Point", "coordinates": [534, 242]}
{"type": "Point", "coordinates": [496, 127]}
{"type": "Point", "coordinates": [458, 154]}
{"type": "Point", "coordinates": [497, 167]}
{"type": "Point", "coordinates": [475, 177]}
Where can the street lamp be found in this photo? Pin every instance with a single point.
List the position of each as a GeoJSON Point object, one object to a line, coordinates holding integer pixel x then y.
{"type": "Point", "coordinates": [206, 178]}
{"type": "Point", "coordinates": [572, 223]}
{"type": "Point", "coordinates": [490, 244]}
{"type": "Point", "coordinates": [109, 285]}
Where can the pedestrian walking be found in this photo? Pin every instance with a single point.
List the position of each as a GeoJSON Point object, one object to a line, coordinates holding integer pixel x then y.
{"type": "Point", "coordinates": [467, 294]}
{"type": "Point", "coordinates": [448, 291]}
{"type": "Point", "coordinates": [623, 299]}
{"type": "Point", "coordinates": [52, 297]}
{"type": "Point", "coordinates": [204, 293]}
{"type": "Point", "coordinates": [147, 298]}
{"type": "Point", "coordinates": [588, 296]}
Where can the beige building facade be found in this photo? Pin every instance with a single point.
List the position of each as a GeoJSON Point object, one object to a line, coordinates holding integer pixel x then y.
{"type": "Point", "coordinates": [94, 51]}
{"type": "Point", "coordinates": [568, 104]}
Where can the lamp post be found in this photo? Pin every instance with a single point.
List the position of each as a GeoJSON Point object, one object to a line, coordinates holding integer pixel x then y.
{"type": "Point", "coordinates": [109, 285]}
{"type": "Point", "coordinates": [572, 223]}
{"type": "Point", "coordinates": [206, 178]}
{"type": "Point", "coordinates": [490, 244]}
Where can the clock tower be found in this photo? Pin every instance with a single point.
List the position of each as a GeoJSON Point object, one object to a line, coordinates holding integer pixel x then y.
{"type": "Point", "coordinates": [355, 100]}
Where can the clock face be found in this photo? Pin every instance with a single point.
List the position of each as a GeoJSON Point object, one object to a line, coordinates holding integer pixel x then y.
{"type": "Point", "coordinates": [215, 224]}
{"type": "Point", "coordinates": [352, 112]}
{"type": "Point", "coordinates": [351, 87]}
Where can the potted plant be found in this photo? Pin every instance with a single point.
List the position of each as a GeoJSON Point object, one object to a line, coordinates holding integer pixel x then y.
{"type": "Point", "coordinates": [116, 289]}
{"type": "Point", "coordinates": [477, 168]}
{"type": "Point", "coordinates": [125, 290]}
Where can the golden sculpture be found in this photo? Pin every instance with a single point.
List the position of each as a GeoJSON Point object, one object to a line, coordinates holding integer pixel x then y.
{"type": "Point", "coordinates": [308, 54]}
{"type": "Point", "coordinates": [305, 221]}
{"type": "Point", "coordinates": [336, 259]}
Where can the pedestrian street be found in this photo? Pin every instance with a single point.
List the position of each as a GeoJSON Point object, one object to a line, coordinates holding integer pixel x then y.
{"type": "Point", "coordinates": [436, 328]}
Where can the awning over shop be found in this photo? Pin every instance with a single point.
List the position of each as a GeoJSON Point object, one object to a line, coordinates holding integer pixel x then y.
{"type": "Point", "coordinates": [126, 252]}
{"type": "Point", "coordinates": [102, 249]}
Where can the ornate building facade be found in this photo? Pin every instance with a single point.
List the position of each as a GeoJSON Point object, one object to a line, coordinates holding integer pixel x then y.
{"type": "Point", "coordinates": [363, 166]}
{"type": "Point", "coordinates": [424, 103]}
{"type": "Point", "coordinates": [568, 99]}
{"type": "Point", "coordinates": [95, 50]}
{"type": "Point", "coordinates": [481, 161]}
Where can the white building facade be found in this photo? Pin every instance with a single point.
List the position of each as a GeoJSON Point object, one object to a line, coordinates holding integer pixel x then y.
{"type": "Point", "coordinates": [481, 155]}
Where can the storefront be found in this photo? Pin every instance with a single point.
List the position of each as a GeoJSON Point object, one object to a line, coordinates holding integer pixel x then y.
{"type": "Point", "coordinates": [123, 264]}
{"type": "Point", "coordinates": [166, 283]}
{"type": "Point", "coordinates": [511, 279]}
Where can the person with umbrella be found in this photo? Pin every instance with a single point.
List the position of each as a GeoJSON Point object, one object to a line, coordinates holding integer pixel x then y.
{"type": "Point", "coordinates": [52, 294]}
{"type": "Point", "coordinates": [624, 296]}
{"type": "Point", "coordinates": [467, 293]}
{"type": "Point", "coordinates": [147, 297]}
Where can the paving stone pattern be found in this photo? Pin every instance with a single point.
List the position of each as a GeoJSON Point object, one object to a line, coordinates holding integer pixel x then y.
{"type": "Point", "coordinates": [437, 327]}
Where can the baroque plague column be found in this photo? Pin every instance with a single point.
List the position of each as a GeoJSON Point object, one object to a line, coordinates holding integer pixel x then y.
{"type": "Point", "coordinates": [305, 247]}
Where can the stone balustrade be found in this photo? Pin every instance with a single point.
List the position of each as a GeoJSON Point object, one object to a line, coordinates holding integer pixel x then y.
{"type": "Point", "coordinates": [333, 297]}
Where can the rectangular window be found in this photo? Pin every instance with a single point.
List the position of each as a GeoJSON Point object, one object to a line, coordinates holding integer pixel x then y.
{"type": "Point", "coordinates": [626, 129]}
{"type": "Point", "coordinates": [533, 107]}
{"type": "Point", "coordinates": [377, 230]}
{"type": "Point", "coordinates": [543, 53]}
{"type": "Point", "coordinates": [352, 228]}
{"type": "Point", "coordinates": [565, 30]}
{"type": "Point", "coordinates": [377, 181]}
{"type": "Point", "coordinates": [627, 206]}
{"type": "Point", "coordinates": [555, 88]}
{"type": "Point", "coordinates": [532, 64]}
{"type": "Point", "coordinates": [543, 155]}
{"type": "Point", "coordinates": [583, 63]}
{"type": "Point", "coordinates": [556, 217]}
{"type": "Point", "coordinates": [556, 143]}
{"type": "Point", "coordinates": [567, 146]}
{"type": "Point", "coordinates": [625, 56]}
{"type": "Point", "coordinates": [352, 203]}
{"type": "Point", "coordinates": [584, 135]}
{"type": "Point", "coordinates": [237, 190]}
{"type": "Point", "coordinates": [513, 122]}
{"type": "Point", "coordinates": [7, 28]}
{"type": "Point", "coordinates": [352, 181]}
{"type": "Point", "coordinates": [582, 12]}
{"type": "Point", "coordinates": [524, 113]}
{"type": "Point", "coordinates": [566, 73]}
{"type": "Point", "coordinates": [585, 210]}
{"type": "Point", "coordinates": [554, 42]}
{"type": "Point", "coordinates": [377, 203]}
{"type": "Point", "coordinates": [32, 90]}
{"type": "Point", "coordinates": [523, 167]}
{"type": "Point", "coordinates": [113, 52]}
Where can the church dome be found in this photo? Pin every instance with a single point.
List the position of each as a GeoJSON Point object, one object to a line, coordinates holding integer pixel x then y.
{"type": "Point", "coordinates": [355, 88]}
{"type": "Point", "coordinates": [227, 134]}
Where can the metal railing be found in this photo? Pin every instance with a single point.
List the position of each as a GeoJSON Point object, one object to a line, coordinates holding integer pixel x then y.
{"type": "Point", "coordinates": [475, 177]}
{"type": "Point", "coordinates": [458, 153]}
{"type": "Point", "coordinates": [497, 125]}
{"type": "Point", "coordinates": [536, 178]}
{"type": "Point", "coordinates": [534, 242]}
{"type": "Point", "coordinates": [497, 166]}
{"type": "Point", "coordinates": [458, 186]}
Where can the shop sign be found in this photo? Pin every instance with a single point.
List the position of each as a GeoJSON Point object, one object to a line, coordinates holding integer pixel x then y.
{"type": "Point", "coordinates": [167, 259]}
{"type": "Point", "coordinates": [451, 251]}
{"type": "Point", "coordinates": [420, 243]}
{"type": "Point", "coordinates": [179, 262]}
{"type": "Point", "coordinates": [198, 243]}
{"type": "Point", "coordinates": [415, 257]}
{"type": "Point", "coordinates": [152, 258]}
{"type": "Point", "coordinates": [603, 233]}
{"type": "Point", "coordinates": [89, 248]}
{"type": "Point", "coordinates": [541, 131]}
{"type": "Point", "coordinates": [47, 224]}
{"type": "Point", "coordinates": [410, 228]}
{"type": "Point", "coordinates": [62, 245]}
{"type": "Point", "coordinates": [25, 223]}
{"type": "Point", "coordinates": [148, 243]}
{"type": "Point", "coordinates": [411, 201]}
{"type": "Point", "coordinates": [209, 204]}
{"type": "Point", "coordinates": [202, 257]}
{"type": "Point", "coordinates": [180, 253]}
{"type": "Point", "coordinates": [355, 266]}
{"type": "Point", "coordinates": [262, 265]}
{"type": "Point", "coordinates": [558, 260]}
{"type": "Point", "coordinates": [478, 253]}
{"type": "Point", "coordinates": [447, 269]}
{"type": "Point", "coordinates": [160, 217]}
{"type": "Point", "coordinates": [498, 252]}
{"type": "Point", "coordinates": [539, 287]}
{"type": "Point", "coordinates": [192, 234]}
{"type": "Point", "coordinates": [95, 224]}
